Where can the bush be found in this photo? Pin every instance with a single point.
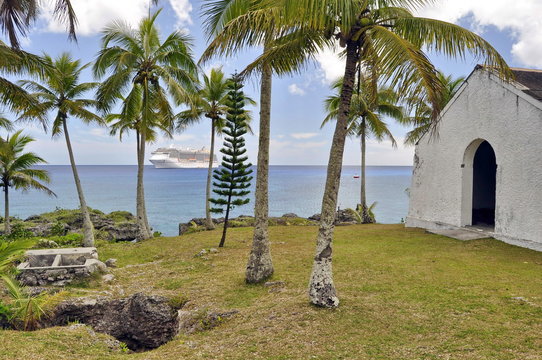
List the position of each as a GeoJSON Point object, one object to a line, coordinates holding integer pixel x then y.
{"type": "Point", "coordinates": [58, 229]}
{"type": "Point", "coordinates": [18, 231]}
{"type": "Point", "coordinates": [5, 314]}
{"type": "Point", "coordinates": [69, 240]}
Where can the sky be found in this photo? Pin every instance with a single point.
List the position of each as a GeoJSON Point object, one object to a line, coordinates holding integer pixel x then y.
{"type": "Point", "coordinates": [514, 29]}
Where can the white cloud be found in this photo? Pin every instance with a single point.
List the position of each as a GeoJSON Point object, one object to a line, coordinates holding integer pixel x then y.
{"type": "Point", "coordinates": [302, 136]}
{"type": "Point", "coordinates": [182, 9]}
{"type": "Point", "coordinates": [522, 18]}
{"type": "Point", "coordinates": [94, 15]}
{"type": "Point", "coordinates": [331, 65]}
{"type": "Point", "coordinates": [294, 89]}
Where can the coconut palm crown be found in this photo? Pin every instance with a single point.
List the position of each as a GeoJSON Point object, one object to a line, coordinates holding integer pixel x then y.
{"type": "Point", "coordinates": [146, 72]}
{"type": "Point", "coordinates": [16, 170]}
{"type": "Point", "coordinates": [61, 94]}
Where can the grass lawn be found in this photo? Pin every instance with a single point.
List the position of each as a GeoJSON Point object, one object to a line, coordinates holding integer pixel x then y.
{"type": "Point", "coordinates": [404, 294]}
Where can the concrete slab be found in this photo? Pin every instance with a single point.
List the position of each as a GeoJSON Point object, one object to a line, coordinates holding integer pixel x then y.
{"type": "Point", "coordinates": [461, 234]}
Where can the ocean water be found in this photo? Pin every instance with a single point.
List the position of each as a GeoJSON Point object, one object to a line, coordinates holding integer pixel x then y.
{"type": "Point", "coordinates": [178, 195]}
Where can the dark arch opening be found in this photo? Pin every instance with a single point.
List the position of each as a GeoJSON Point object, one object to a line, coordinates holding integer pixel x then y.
{"type": "Point", "coordinates": [484, 186]}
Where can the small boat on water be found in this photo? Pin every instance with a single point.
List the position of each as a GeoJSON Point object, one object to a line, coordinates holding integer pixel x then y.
{"type": "Point", "coordinates": [181, 158]}
{"type": "Point", "coordinates": [356, 176]}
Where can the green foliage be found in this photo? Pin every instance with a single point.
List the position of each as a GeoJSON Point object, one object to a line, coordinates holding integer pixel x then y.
{"type": "Point", "coordinates": [26, 310]}
{"type": "Point", "coordinates": [58, 229]}
{"type": "Point", "coordinates": [157, 234]}
{"type": "Point", "coordinates": [68, 240]}
{"type": "Point", "coordinates": [11, 251]}
{"type": "Point", "coordinates": [233, 178]}
{"type": "Point", "coordinates": [124, 348]}
{"type": "Point", "coordinates": [177, 302]}
{"type": "Point", "coordinates": [120, 216]}
{"type": "Point", "coordinates": [361, 218]}
{"type": "Point", "coordinates": [5, 314]}
{"type": "Point", "coordinates": [18, 232]}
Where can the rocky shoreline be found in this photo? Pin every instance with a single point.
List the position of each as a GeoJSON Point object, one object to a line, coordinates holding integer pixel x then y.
{"type": "Point", "coordinates": [343, 217]}
{"type": "Point", "coordinates": [115, 226]}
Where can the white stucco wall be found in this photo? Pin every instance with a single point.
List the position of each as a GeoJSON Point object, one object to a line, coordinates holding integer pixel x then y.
{"type": "Point", "coordinates": [484, 109]}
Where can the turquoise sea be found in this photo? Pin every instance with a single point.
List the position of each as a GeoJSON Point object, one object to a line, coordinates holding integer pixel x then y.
{"type": "Point", "coordinates": [178, 195]}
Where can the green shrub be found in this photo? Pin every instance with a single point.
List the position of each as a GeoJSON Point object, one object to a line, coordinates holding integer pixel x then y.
{"type": "Point", "coordinates": [69, 240]}
{"type": "Point", "coordinates": [18, 231]}
{"type": "Point", "coordinates": [5, 314]}
{"type": "Point", "coordinates": [120, 216]}
{"type": "Point", "coordinates": [58, 229]}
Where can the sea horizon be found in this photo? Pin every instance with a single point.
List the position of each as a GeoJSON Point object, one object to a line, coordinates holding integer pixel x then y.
{"type": "Point", "coordinates": [178, 195]}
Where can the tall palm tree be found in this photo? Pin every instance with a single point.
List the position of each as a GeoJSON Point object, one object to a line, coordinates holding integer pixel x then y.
{"type": "Point", "coordinates": [210, 102]}
{"type": "Point", "coordinates": [145, 71]}
{"type": "Point", "coordinates": [366, 113]}
{"type": "Point", "coordinates": [421, 117]}
{"type": "Point", "coordinates": [62, 93]}
{"type": "Point", "coordinates": [234, 25]}
{"type": "Point", "coordinates": [17, 16]}
{"type": "Point", "coordinates": [387, 35]}
{"type": "Point", "coordinates": [16, 170]}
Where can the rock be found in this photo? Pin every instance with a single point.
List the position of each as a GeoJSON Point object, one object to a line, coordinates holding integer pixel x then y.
{"type": "Point", "coordinates": [94, 265]}
{"type": "Point", "coordinates": [201, 320]}
{"type": "Point", "coordinates": [315, 217]}
{"type": "Point", "coordinates": [46, 244]}
{"type": "Point", "coordinates": [213, 250]}
{"type": "Point", "coordinates": [142, 322]}
{"type": "Point", "coordinates": [126, 231]}
{"type": "Point", "coordinates": [201, 253]}
{"type": "Point", "coordinates": [290, 215]}
{"type": "Point", "coordinates": [111, 263]}
{"type": "Point", "coordinates": [108, 278]}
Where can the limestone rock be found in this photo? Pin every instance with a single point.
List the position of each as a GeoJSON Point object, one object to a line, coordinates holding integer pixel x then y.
{"type": "Point", "coordinates": [126, 231]}
{"type": "Point", "coordinates": [108, 278]}
{"type": "Point", "coordinates": [290, 215]}
{"type": "Point", "coordinates": [111, 263]}
{"type": "Point", "coordinates": [142, 322]}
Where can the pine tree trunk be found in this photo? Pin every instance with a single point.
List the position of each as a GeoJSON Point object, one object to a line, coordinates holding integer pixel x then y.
{"type": "Point", "coordinates": [7, 227]}
{"type": "Point", "coordinates": [209, 225]}
{"type": "Point", "coordinates": [88, 229]}
{"type": "Point", "coordinates": [226, 222]}
{"type": "Point", "coordinates": [321, 288]}
{"type": "Point", "coordinates": [141, 213]}
{"type": "Point", "coordinates": [260, 264]}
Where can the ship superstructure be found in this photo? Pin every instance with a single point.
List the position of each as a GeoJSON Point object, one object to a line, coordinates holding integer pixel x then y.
{"type": "Point", "coordinates": [181, 157]}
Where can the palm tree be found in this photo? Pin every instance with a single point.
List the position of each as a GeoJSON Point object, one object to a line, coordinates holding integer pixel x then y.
{"type": "Point", "coordinates": [421, 118]}
{"type": "Point", "coordinates": [17, 62]}
{"type": "Point", "coordinates": [365, 120]}
{"type": "Point", "coordinates": [16, 170]}
{"type": "Point", "coordinates": [383, 33]}
{"type": "Point", "coordinates": [148, 70]}
{"type": "Point", "coordinates": [17, 16]}
{"type": "Point", "coordinates": [237, 24]}
{"type": "Point", "coordinates": [62, 93]}
{"type": "Point", "coordinates": [210, 102]}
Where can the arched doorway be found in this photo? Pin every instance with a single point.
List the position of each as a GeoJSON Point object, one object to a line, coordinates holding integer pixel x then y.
{"type": "Point", "coordinates": [484, 183]}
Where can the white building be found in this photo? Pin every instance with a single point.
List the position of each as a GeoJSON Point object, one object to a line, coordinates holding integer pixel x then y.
{"type": "Point", "coordinates": [484, 167]}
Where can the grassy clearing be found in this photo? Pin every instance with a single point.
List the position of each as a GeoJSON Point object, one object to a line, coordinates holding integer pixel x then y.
{"type": "Point", "coordinates": [404, 294]}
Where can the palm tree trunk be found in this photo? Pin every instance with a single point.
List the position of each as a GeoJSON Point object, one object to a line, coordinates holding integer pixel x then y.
{"type": "Point", "coordinates": [88, 229]}
{"type": "Point", "coordinates": [321, 288]}
{"type": "Point", "coordinates": [260, 264]}
{"type": "Point", "coordinates": [7, 227]}
{"type": "Point", "coordinates": [209, 225]}
{"type": "Point", "coordinates": [141, 212]}
{"type": "Point", "coordinates": [363, 199]}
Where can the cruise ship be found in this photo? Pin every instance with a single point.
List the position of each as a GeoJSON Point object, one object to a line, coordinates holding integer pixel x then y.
{"type": "Point", "coordinates": [179, 158]}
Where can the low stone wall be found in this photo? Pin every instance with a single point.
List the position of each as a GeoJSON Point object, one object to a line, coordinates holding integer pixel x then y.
{"type": "Point", "coordinates": [59, 267]}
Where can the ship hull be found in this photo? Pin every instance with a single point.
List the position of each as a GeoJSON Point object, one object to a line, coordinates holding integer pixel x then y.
{"type": "Point", "coordinates": [172, 164]}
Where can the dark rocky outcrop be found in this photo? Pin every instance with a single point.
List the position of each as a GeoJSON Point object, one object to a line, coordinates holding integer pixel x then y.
{"type": "Point", "coordinates": [142, 322]}
{"type": "Point", "coordinates": [117, 225]}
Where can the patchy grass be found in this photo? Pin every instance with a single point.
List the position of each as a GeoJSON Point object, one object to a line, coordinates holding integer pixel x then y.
{"type": "Point", "coordinates": [404, 294]}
